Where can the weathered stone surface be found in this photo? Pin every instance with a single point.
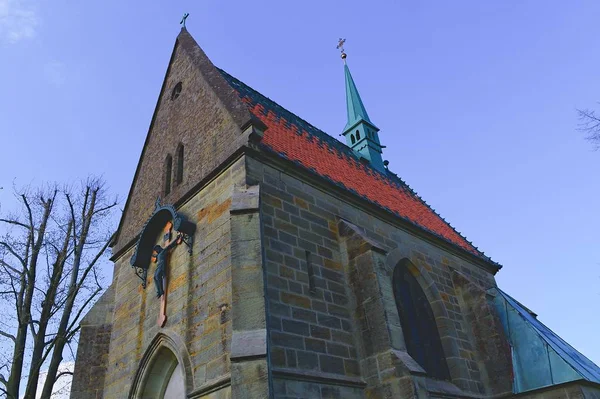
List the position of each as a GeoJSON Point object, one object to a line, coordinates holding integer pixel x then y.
{"type": "Point", "coordinates": [199, 296]}
{"type": "Point", "coordinates": [94, 340]}
{"type": "Point", "coordinates": [250, 379]}
{"type": "Point", "coordinates": [246, 200]}
{"type": "Point", "coordinates": [491, 346]}
{"type": "Point", "coordinates": [248, 343]}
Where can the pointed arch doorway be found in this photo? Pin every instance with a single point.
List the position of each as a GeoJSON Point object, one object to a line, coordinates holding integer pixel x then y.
{"type": "Point", "coordinates": [165, 370]}
{"type": "Point", "coordinates": [165, 378]}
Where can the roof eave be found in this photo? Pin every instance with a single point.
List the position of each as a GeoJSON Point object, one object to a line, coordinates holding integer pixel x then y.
{"type": "Point", "coordinates": [382, 213]}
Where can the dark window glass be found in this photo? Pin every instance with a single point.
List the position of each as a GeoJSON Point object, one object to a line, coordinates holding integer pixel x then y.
{"type": "Point", "coordinates": [168, 171]}
{"type": "Point", "coordinates": [357, 135]}
{"type": "Point", "coordinates": [352, 138]}
{"type": "Point", "coordinates": [418, 324]}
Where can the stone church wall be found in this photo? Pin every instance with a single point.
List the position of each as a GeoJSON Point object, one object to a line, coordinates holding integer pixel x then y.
{"type": "Point", "coordinates": [94, 339]}
{"type": "Point", "coordinates": [318, 341]}
{"type": "Point", "coordinates": [198, 298]}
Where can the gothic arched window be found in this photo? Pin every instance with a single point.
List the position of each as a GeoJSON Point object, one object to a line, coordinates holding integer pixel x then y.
{"type": "Point", "coordinates": [418, 323]}
{"type": "Point", "coordinates": [168, 173]}
{"type": "Point", "coordinates": [179, 177]}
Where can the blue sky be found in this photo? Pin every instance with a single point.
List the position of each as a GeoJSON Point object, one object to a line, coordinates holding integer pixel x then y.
{"type": "Point", "coordinates": [475, 101]}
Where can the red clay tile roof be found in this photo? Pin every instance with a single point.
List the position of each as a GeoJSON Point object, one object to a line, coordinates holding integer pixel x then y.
{"type": "Point", "coordinates": [296, 140]}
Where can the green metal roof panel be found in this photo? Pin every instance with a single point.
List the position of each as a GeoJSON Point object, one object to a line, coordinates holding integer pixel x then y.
{"type": "Point", "coordinates": [540, 357]}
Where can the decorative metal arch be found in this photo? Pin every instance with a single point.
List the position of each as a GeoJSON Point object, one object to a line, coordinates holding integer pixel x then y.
{"type": "Point", "coordinates": [162, 214]}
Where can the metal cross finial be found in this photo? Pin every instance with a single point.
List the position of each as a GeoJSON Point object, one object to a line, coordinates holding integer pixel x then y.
{"type": "Point", "coordinates": [340, 47]}
{"type": "Point", "coordinates": [182, 23]}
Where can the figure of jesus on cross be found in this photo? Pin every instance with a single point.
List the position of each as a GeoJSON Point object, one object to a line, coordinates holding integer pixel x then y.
{"type": "Point", "coordinates": [160, 255]}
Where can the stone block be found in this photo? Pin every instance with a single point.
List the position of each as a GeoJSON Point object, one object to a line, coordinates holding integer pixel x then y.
{"type": "Point", "coordinates": [290, 356]}
{"type": "Point", "coordinates": [248, 343]}
{"type": "Point", "coordinates": [331, 364]}
{"type": "Point", "coordinates": [315, 345]}
{"type": "Point", "coordinates": [329, 321]}
{"type": "Point", "coordinates": [295, 300]}
{"type": "Point", "coordinates": [307, 360]}
{"type": "Point", "coordinates": [295, 327]}
{"type": "Point", "coordinates": [305, 315]}
{"type": "Point", "coordinates": [320, 332]}
{"type": "Point", "coordinates": [337, 350]}
{"type": "Point", "coordinates": [287, 340]}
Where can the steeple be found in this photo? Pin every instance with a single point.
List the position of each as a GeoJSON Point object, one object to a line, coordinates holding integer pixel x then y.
{"type": "Point", "coordinates": [361, 134]}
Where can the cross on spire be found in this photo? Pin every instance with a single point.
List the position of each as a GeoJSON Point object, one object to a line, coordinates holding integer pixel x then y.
{"type": "Point", "coordinates": [340, 47]}
{"type": "Point", "coordinates": [182, 23]}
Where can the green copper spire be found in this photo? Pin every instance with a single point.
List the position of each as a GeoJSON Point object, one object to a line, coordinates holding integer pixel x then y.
{"type": "Point", "coordinates": [354, 105]}
{"type": "Point", "coordinates": [361, 134]}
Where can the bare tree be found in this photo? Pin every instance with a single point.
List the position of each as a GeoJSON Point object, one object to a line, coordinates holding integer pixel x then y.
{"type": "Point", "coordinates": [50, 253]}
{"type": "Point", "coordinates": [589, 123]}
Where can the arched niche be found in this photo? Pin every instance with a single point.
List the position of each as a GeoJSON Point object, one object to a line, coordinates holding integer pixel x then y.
{"type": "Point", "coordinates": [165, 370]}
{"type": "Point", "coordinates": [162, 214]}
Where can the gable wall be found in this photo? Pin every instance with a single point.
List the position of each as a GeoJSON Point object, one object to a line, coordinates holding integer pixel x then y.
{"type": "Point", "coordinates": [199, 120]}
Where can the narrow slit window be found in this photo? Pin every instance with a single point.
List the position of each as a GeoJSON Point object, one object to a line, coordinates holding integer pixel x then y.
{"type": "Point", "coordinates": [168, 171]}
{"type": "Point", "coordinates": [357, 135]}
{"type": "Point", "coordinates": [180, 164]}
{"type": "Point", "coordinates": [352, 138]}
{"type": "Point", "coordinates": [311, 274]}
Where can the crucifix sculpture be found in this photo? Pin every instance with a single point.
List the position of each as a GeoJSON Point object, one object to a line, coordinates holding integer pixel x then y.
{"type": "Point", "coordinates": [160, 256]}
{"type": "Point", "coordinates": [164, 221]}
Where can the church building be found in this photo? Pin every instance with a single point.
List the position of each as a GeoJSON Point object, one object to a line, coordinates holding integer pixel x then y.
{"type": "Point", "coordinates": [259, 257]}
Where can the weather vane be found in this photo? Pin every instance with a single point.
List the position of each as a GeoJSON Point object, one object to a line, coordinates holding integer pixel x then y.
{"type": "Point", "coordinates": [182, 23]}
{"type": "Point", "coordinates": [340, 47]}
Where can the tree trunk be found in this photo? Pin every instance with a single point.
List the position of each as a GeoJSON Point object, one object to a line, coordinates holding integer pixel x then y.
{"type": "Point", "coordinates": [40, 343]}
{"type": "Point", "coordinates": [24, 313]}
{"type": "Point", "coordinates": [61, 335]}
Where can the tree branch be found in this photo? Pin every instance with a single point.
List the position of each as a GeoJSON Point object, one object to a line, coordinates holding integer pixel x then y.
{"type": "Point", "coordinates": [106, 208]}
{"type": "Point", "coordinates": [7, 335]}
{"type": "Point", "coordinates": [13, 253]}
{"type": "Point", "coordinates": [15, 222]}
{"type": "Point", "coordinates": [63, 373]}
{"type": "Point", "coordinates": [12, 269]}
{"type": "Point", "coordinates": [589, 123]}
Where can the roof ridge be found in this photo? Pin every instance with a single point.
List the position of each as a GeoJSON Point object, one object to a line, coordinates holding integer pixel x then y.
{"type": "Point", "coordinates": [328, 138]}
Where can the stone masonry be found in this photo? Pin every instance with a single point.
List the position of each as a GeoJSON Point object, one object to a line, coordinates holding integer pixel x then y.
{"type": "Point", "coordinates": [332, 328]}
{"type": "Point", "coordinates": [199, 298]}
{"type": "Point", "coordinates": [288, 290]}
